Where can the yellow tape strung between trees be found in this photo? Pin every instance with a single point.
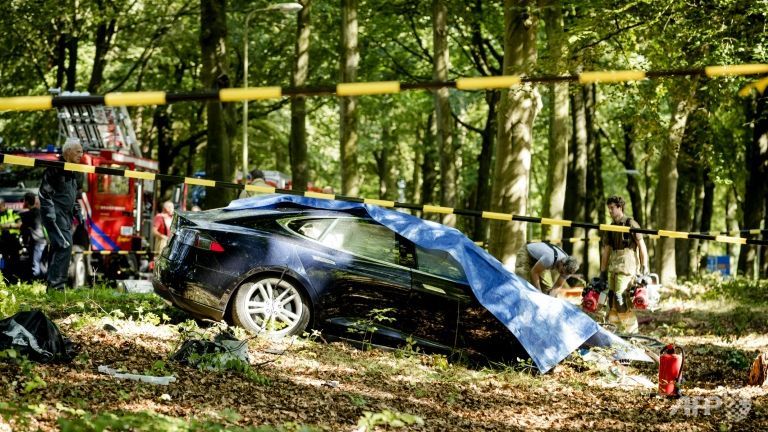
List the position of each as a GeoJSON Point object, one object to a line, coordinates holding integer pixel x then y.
{"type": "Point", "coordinates": [33, 103]}
{"type": "Point", "coordinates": [426, 208]}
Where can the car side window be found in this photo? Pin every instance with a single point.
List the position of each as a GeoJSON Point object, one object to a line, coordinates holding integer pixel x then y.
{"type": "Point", "coordinates": [363, 237]}
{"type": "Point", "coordinates": [439, 263]}
{"type": "Point", "coordinates": [312, 228]}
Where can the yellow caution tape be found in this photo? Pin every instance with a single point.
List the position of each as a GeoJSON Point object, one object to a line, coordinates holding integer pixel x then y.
{"type": "Point", "coordinates": [548, 221]}
{"type": "Point", "coordinates": [79, 167]}
{"type": "Point", "coordinates": [497, 216]}
{"type": "Point", "coordinates": [611, 76]}
{"type": "Point", "coordinates": [726, 239]}
{"type": "Point", "coordinates": [481, 83]}
{"type": "Point", "coordinates": [140, 175]}
{"type": "Point", "coordinates": [26, 103]}
{"type": "Point", "coordinates": [673, 234]}
{"type": "Point", "coordinates": [760, 85]}
{"type": "Point", "coordinates": [250, 93]}
{"type": "Point", "coordinates": [311, 194]}
{"type": "Point", "coordinates": [437, 209]}
{"type": "Point", "coordinates": [731, 70]}
{"type": "Point", "coordinates": [18, 160]}
{"type": "Point", "coordinates": [135, 98]}
{"type": "Point", "coordinates": [754, 231]}
{"type": "Point", "coordinates": [367, 88]}
{"type": "Point", "coordinates": [260, 189]}
{"type": "Point", "coordinates": [378, 202]}
{"type": "Point", "coordinates": [199, 182]}
{"type": "Point", "coordinates": [614, 228]}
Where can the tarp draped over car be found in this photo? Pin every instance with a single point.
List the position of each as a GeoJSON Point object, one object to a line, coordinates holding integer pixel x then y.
{"type": "Point", "coordinates": [548, 328]}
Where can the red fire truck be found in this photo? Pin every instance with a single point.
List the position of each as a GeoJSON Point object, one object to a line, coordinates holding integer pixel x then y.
{"type": "Point", "coordinates": [117, 210]}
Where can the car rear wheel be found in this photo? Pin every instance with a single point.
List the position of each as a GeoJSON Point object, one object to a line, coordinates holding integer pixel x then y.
{"type": "Point", "coordinates": [271, 305]}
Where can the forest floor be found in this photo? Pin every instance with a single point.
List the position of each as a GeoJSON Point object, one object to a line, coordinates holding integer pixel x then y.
{"type": "Point", "coordinates": [306, 384]}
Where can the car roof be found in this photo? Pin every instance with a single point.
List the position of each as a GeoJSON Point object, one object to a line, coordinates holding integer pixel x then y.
{"type": "Point", "coordinates": [221, 215]}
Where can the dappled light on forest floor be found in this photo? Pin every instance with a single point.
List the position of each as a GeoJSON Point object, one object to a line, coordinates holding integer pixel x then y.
{"type": "Point", "coordinates": [331, 386]}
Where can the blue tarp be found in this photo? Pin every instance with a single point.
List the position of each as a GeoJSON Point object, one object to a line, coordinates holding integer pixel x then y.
{"type": "Point", "coordinates": [548, 328]}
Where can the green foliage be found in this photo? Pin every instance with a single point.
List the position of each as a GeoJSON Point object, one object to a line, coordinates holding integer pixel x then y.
{"type": "Point", "coordinates": [220, 362]}
{"type": "Point", "coordinates": [159, 368]}
{"type": "Point", "coordinates": [394, 419]}
{"type": "Point", "coordinates": [744, 290]}
{"type": "Point", "coordinates": [409, 349]}
{"type": "Point", "coordinates": [367, 328]}
{"type": "Point", "coordinates": [738, 360]}
{"type": "Point", "coordinates": [32, 380]}
{"type": "Point", "coordinates": [734, 324]}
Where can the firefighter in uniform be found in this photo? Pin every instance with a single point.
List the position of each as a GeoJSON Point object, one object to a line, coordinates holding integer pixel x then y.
{"type": "Point", "coordinates": [624, 255]}
{"type": "Point", "coordinates": [59, 190]}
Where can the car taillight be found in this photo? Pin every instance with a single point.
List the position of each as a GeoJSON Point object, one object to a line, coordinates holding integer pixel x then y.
{"type": "Point", "coordinates": [206, 242]}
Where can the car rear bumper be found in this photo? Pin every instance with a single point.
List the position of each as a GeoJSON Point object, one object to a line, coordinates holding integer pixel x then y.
{"type": "Point", "coordinates": [193, 308]}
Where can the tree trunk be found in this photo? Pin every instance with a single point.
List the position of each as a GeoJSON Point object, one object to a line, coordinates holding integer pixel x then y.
{"type": "Point", "coordinates": [732, 224]}
{"type": "Point", "coordinates": [633, 185]}
{"type": "Point", "coordinates": [692, 248]}
{"type": "Point", "coordinates": [707, 207]}
{"type": "Point", "coordinates": [484, 161]}
{"type": "Point", "coordinates": [756, 159]}
{"type": "Point", "coordinates": [517, 110]}
{"type": "Point", "coordinates": [61, 54]}
{"type": "Point", "coordinates": [350, 58]}
{"type": "Point", "coordinates": [577, 170]}
{"type": "Point", "coordinates": [557, 170]}
{"type": "Point", "coordinates": [384, 166]}
{"type": "Point", "coordinates": [415, 187]}
{"type": "Point", "coordinates": [764, 249]}
{"type": "Point", "coordinates": [667, 188]}
{"type": "Point", "coordinates": [213, 43]}
{"type": "Point", "coordinates": [104, 32]}
{"type": "Point", "coordinates": [428, 171]}
{"type": "Point", "coordinates": [685, 199]}
{"type": "Point", "coordinates": [298, 143]}
{"type": "Point", "coordinates": [71, 71]}
{"type": "Point", "coordinates": [443, 119]}
{"type": "Point", "coordinates": [595, 201]}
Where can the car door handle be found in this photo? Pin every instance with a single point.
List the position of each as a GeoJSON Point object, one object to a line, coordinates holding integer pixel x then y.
{"type": "Point", "coordinates": [433, 288]}
{"type": "Point", "coordinates": [323, 260]}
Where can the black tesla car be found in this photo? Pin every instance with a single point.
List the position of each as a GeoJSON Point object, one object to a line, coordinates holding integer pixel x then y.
{"type": "Point", "coordinates": [288, 269]}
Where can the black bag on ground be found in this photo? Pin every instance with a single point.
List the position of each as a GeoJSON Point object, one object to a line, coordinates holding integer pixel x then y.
{"type": "Point", "coordinates": [32, 334]}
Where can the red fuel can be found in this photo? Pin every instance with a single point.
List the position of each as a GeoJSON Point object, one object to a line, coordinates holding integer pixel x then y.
{"type": "Point", "coordinates": [670, 370]}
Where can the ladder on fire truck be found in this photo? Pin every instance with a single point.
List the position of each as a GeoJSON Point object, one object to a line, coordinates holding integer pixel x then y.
{"type": "Point", "coordinates": [98, 127]}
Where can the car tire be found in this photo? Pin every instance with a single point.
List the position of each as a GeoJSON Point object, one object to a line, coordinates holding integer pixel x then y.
{"type": "Point", "coordinates": [80, 271]}
{"type": "Point", "coordinates": [271, 305]}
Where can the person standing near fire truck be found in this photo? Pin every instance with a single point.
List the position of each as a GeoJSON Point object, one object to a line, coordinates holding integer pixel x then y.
{"type": "Point", "coordinates": [32, 235]}
{"type": "Point", "coordinates": [161, 227]}
{"type": "Point", "coordinates": [59, 190]}
{"type": "Point", "coordinates": [624, 255]}
{"type": "Point", "coordinates": [10, 247]}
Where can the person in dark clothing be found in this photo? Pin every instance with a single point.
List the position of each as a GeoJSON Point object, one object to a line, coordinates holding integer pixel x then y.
{"type": "Point", "coordinates": [32, 235]}
{"type": "Point", "coordinates": [58, 206]}
{"type": "Point", "coordinates": [10, 248]}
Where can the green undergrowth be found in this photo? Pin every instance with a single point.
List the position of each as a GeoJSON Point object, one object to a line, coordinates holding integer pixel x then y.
{"type": "Point", "coordinates": [86, 304]}
{"type": "Point", "coordinates": [741, 290]}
